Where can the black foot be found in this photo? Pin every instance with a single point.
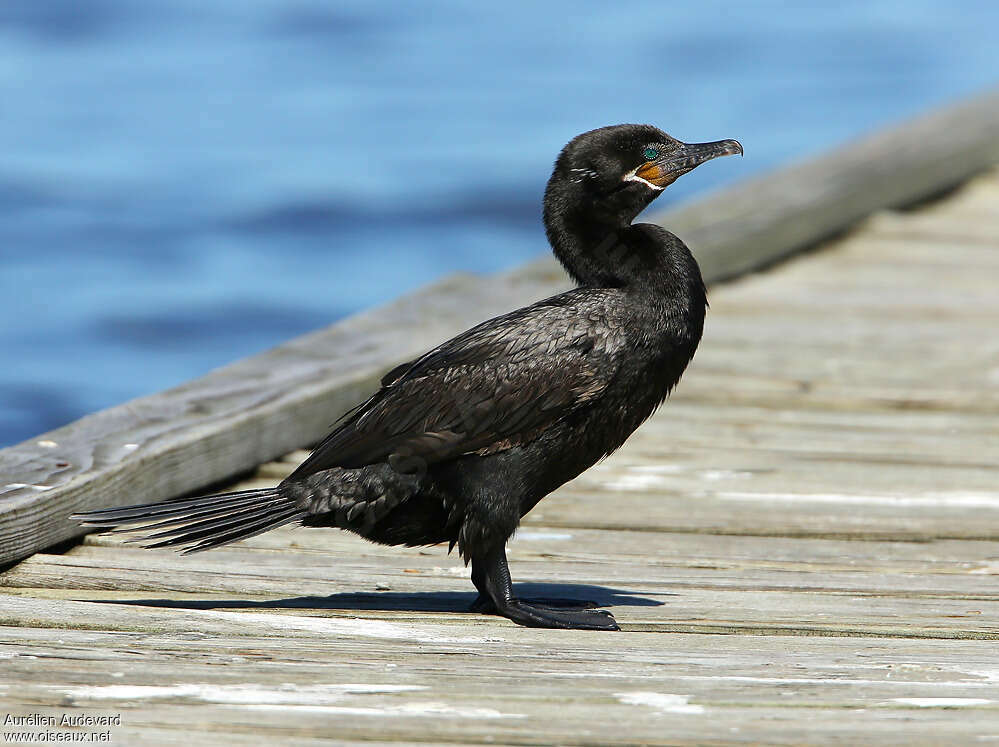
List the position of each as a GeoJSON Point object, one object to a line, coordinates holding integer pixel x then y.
{"type": "Point", "coordinates": [546, 617]}
{"type": "Point", "coordinates": [491, 577]}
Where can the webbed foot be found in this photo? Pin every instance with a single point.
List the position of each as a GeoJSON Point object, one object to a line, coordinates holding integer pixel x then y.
{"type": "Point", "coordinates": [491, 576]}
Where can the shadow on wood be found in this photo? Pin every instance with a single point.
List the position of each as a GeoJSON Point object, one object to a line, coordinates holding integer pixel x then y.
{"type": "Point", "coordinates": [397, 601]}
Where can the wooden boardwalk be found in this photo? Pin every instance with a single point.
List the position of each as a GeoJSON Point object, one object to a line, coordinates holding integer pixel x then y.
{"type": "Point", "coordinates": [802, 546]}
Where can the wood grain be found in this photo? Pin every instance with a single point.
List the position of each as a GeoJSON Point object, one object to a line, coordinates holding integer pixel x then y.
{"type": "Point", "coordinates": [206, 674]}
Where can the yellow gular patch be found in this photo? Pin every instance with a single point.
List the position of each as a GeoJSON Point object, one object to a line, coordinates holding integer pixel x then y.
{"type": "Point", "coordinates": [651, 173]}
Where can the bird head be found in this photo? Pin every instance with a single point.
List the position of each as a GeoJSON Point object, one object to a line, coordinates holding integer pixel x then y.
{"type": "Point", "coordinates": [622, 168]}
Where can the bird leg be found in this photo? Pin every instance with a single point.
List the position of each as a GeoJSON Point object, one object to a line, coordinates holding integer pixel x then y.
{"type": "Point", "coordinates": [491, 576]}
{"type": "Point", "coordinates": [484, 605]}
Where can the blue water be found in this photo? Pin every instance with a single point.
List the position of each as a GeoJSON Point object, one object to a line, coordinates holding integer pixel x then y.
{"type": "Point", "coordinates": [183, 183]}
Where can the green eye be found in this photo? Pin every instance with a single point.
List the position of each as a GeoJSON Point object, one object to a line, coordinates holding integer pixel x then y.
{"type": "Point", "coordinates": [650, 153]}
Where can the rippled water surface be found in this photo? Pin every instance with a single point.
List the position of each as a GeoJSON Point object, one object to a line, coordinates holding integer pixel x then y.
{"type": "Point", "coordinates": [186, 183]}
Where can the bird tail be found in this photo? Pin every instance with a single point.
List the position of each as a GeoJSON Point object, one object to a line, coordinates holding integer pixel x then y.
{"type": "Point", "coordinates": [198, 524]}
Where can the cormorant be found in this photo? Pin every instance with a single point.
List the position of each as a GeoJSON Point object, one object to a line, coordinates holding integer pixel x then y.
{"type": "Point", "coordinates": [457, 445]}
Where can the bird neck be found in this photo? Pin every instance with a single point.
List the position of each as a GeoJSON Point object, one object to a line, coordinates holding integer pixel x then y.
{"type": "Point", "coordinates": [588, 249]}
{"type": "Point", "coordinates": [591, 234]}
{"type": "Point", "coordinates": [603, 249]}
{"type": "Point", "coordinates": [586, 231]}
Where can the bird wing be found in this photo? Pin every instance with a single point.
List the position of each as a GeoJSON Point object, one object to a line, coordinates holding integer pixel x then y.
{"type": "Point", "coordinates": [498, 385]}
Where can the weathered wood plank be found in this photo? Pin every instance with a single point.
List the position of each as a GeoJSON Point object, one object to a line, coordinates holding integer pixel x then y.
{"type": "Point", "coordinates": [673, 584]}
{"type": "Point", "coordinates": [291, 574]}
{"type": "Point", "coordinates": [718, 661]}
{"type": "Point", "coordinates": [296, 678]}
{"type": "Point", "coordinates": [681, 606]}
{"type": "Point", "coordinates": [216, 426]}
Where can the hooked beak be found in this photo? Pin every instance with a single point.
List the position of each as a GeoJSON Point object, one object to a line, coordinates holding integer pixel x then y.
{"type": "Point", "coordinates": [666, 169]}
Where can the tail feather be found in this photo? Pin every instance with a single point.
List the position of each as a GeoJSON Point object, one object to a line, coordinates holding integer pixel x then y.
{"type": "Point", "coordinates": [190, 515]}
{"type": "Point", "coordinates": [201, 523]}
{"type": "Point", "coordinates": [210, 524]}
{"type": "Point", "coordinates": [209, 540]}
{"type": "Point", "coordinates": [110, 517]}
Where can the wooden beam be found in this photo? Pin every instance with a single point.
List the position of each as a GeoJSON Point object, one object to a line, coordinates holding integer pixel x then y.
{"type": "Point", "coordinates": [761, 221]}
{"type": "Point", "coordinates": [229, 421]}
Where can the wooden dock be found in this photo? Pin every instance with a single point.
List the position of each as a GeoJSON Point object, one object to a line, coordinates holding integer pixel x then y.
{"type": "Point", "coordinates": [801, 546]}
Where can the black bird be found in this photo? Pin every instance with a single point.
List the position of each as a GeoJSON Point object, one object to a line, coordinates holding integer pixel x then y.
{"type": "Point", "coordinates": [459, 444]}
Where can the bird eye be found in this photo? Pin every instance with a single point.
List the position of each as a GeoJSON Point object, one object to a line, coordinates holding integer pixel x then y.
{"type": "Point", "coordinates": [650, 153]}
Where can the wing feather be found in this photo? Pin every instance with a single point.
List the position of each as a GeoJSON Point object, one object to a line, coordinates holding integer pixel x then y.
{"type": "Point", "coordinates": [495, 386]}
